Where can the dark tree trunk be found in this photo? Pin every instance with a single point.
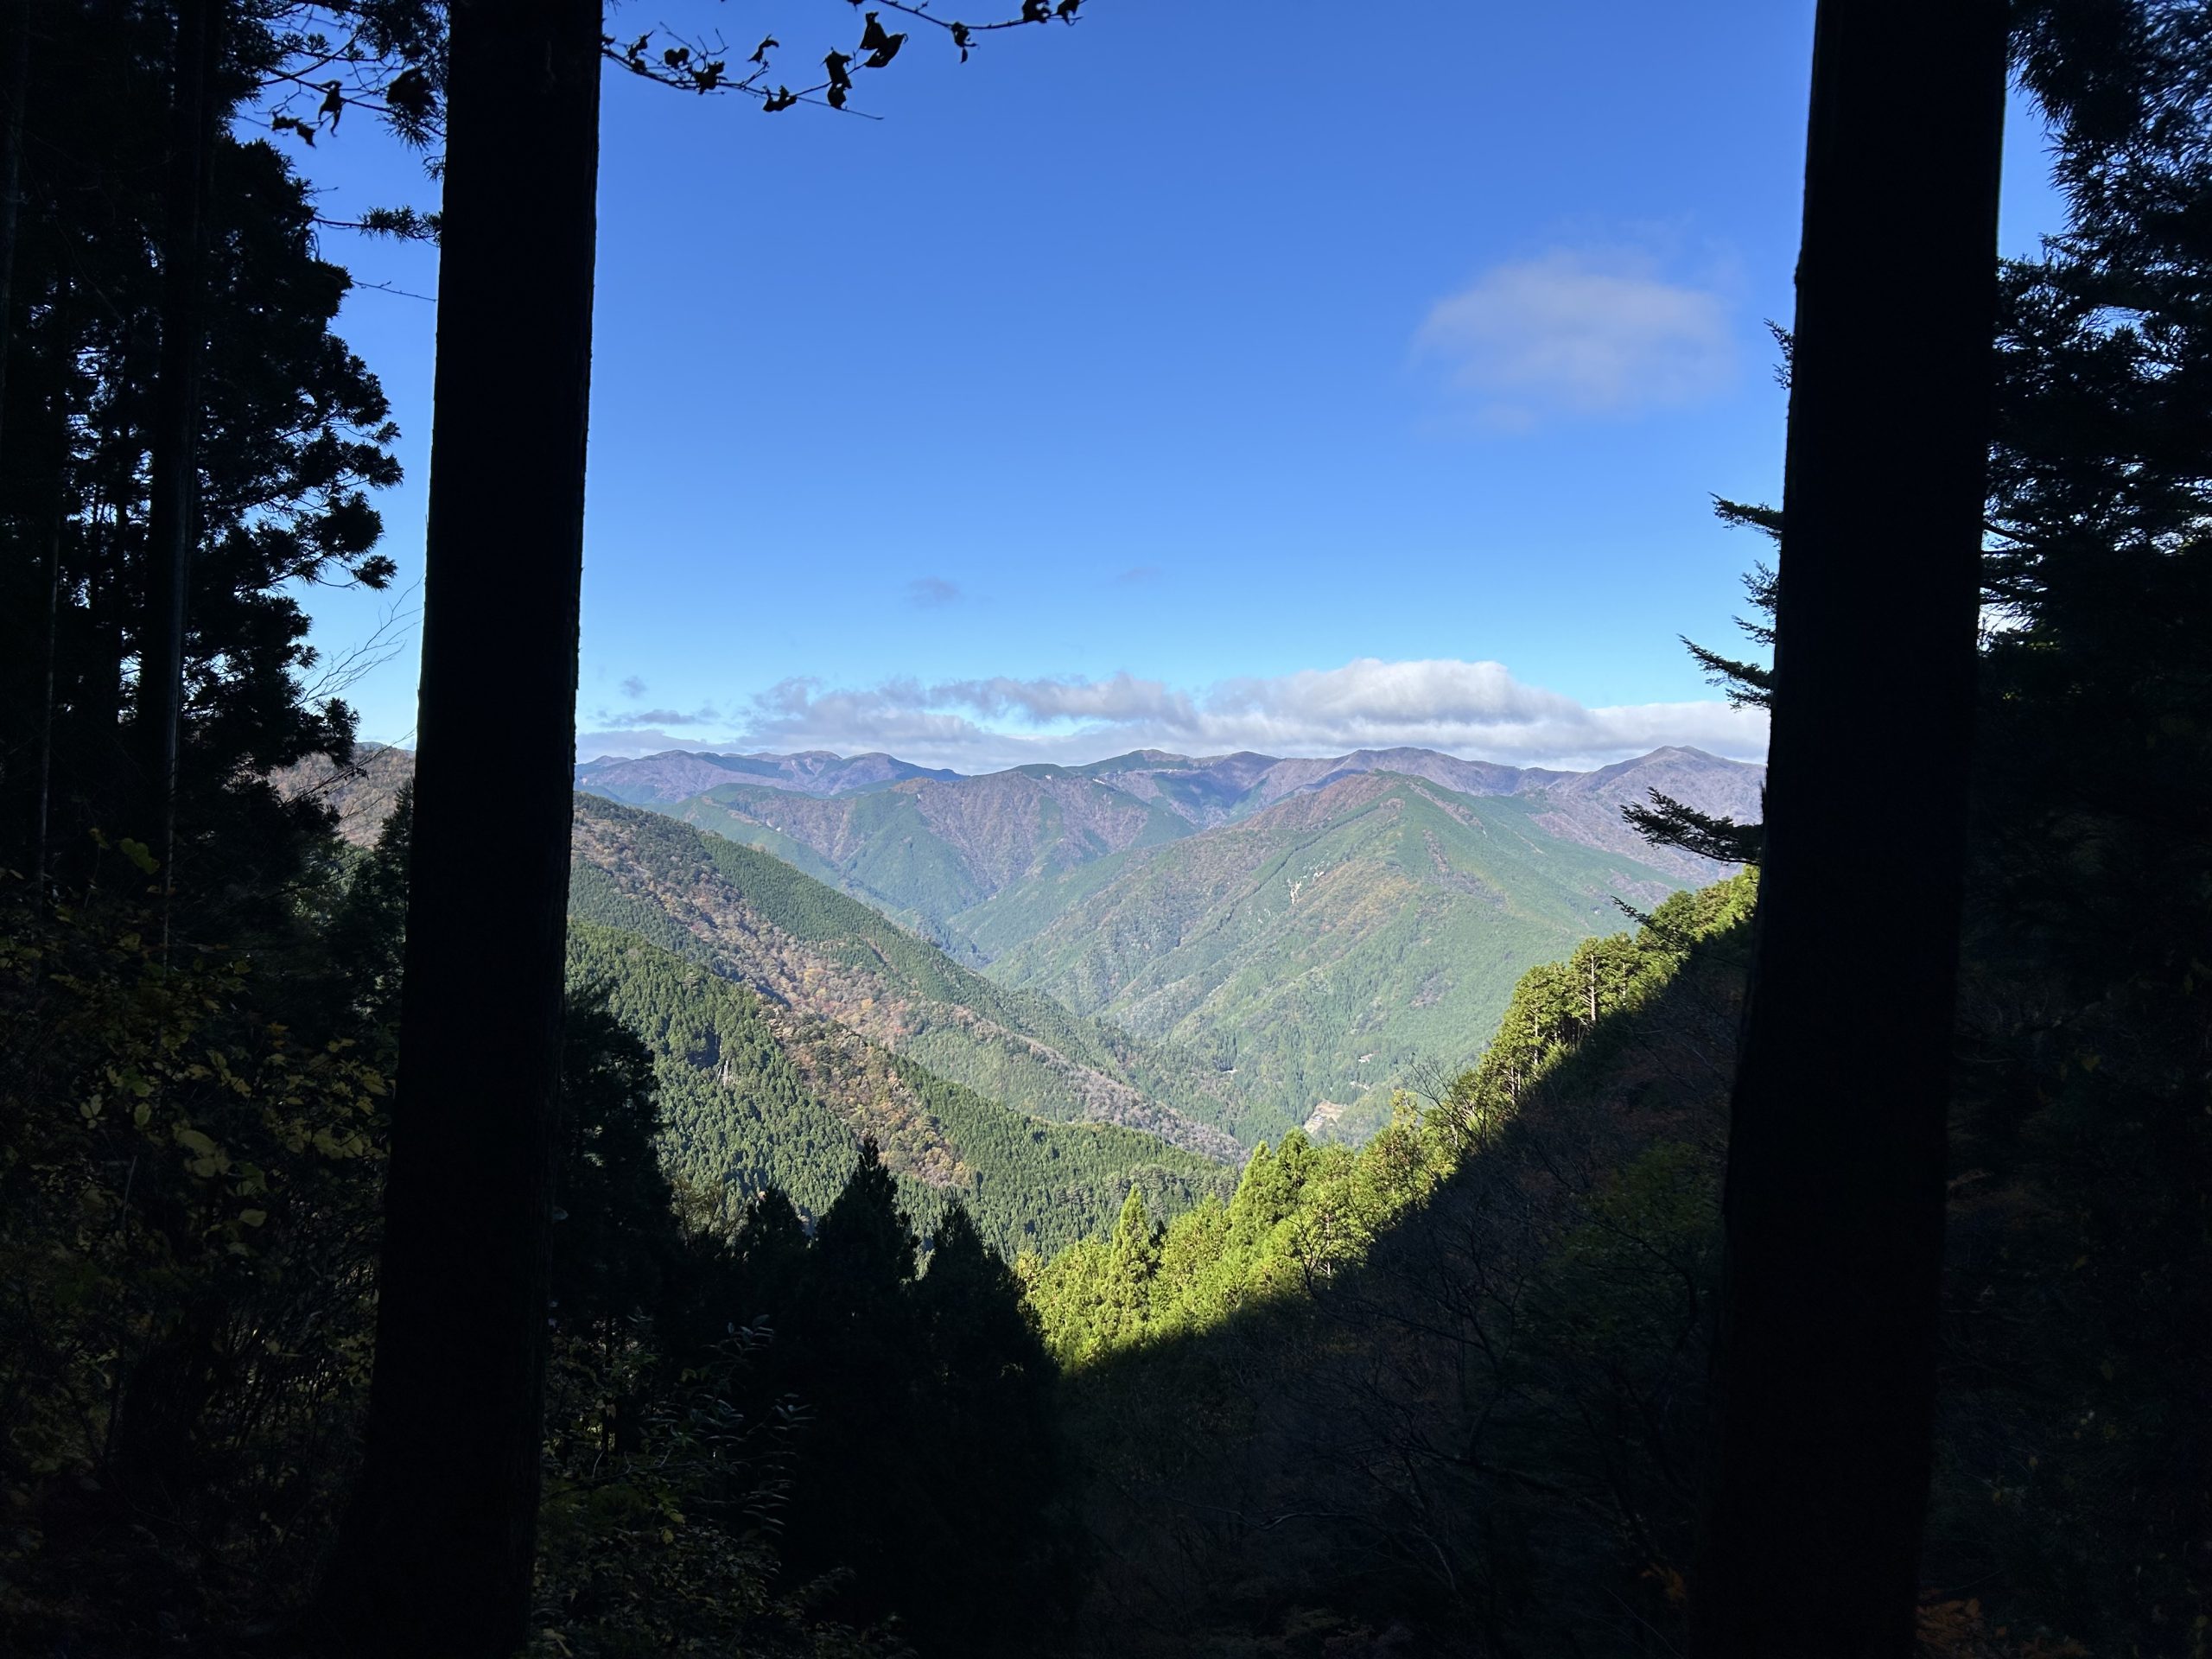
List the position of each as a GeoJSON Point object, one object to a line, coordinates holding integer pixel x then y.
{"type": "Point", "coordinates": [438, 1549]}
{"type": "Point", "coordinates": [14, 84]}
{"type": "Point", "coordinates": [174, 438]}
{"type": "Point", "coordinates": [57, 514]}
{"type": "Point", "coordinates": [1825, 1374]}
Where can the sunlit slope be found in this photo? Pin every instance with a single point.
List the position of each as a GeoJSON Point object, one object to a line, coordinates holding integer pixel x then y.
{"type": "Point", "coordinates": [819, 953]}
{"type": "Point", "coordinates": [1334, 942]}
{"type": "Point", "coordinates": [755, 1096]}
{"type": "Point", "coordinates": [926, 849]}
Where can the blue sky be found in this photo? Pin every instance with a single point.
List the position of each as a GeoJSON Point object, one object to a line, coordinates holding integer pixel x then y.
{"type": "Point", "coordinates": [1205, 376]}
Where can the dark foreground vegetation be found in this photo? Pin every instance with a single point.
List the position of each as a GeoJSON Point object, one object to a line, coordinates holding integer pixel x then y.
{"type": "Point", "coordinates": [1448, 1393]}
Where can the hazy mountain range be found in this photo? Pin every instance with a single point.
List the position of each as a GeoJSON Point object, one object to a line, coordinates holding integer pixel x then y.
{"type": "Point", "coordinates": [1204, 951]}
{"type": "Point", "coordinates": [998, 826]}
{"type": "Point", "coordinates": [1313, 929]}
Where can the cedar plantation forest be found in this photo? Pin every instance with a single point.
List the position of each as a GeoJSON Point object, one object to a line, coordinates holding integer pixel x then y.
{"type": "Point", "coordinates": [454, 1202]}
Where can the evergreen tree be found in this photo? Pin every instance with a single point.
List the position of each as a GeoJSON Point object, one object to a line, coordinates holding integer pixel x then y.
{"type": "Point", "coordinates": [293, 434]}
{"type": "Point", "coordinates": [997, 1566]}
{"type": "Point", "coordinates": [854, 1355]}
{"type": "Point", "coordinates": [1824, 1373]}
{"type": "Point", "coordinates": [1132, 1263]}
{"type": "Point", "coordinates": [1669, 822]}
{"type": "Point", "coordinates": [617, 1251]}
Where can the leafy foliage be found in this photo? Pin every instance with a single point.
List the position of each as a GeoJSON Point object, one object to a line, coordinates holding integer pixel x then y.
{"type": "Point", "coordinates": [186, 1230]}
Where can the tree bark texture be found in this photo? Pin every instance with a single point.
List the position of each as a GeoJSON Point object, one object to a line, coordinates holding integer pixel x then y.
{"type": "Point", "coordinates": [174, 437]}
{"type": "Point", "coordinates": [435, 1556]}
{"type": "Point", "coordinates": [1825, 1371]}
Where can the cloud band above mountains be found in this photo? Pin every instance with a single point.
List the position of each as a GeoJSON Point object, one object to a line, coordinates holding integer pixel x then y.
{"type": "Point", "coordinates": [1475, 710]}
{"type": "Point", "coordinates": [1579, 333]}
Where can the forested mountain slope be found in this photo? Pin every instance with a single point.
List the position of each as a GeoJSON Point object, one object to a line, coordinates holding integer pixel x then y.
{"type": "Point", "coordinates": [1441, 1394]}
{"type": "Point", "coordinates": [755, 1096]}
{"type": "Point", "coordinates": [1446, 1394]}
{"type": "Point", "coordinates": [931, 850]}
{"type": "Point", "coordinates": [1217, 998]}
{"type": "Point", "coordinates": [361, 793]}
{"type": "Point", "coordinates": [1332, 943]}
{"type": "Point", "coordinates": [820, 953]}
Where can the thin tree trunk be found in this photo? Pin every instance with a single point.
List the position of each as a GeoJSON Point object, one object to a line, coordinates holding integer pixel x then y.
{"type": "Point", "coordinates": [57, 515]}
{"type": "Point", "coordinates": [173, 439]}
{"type": "Point", "coordinates": [438, 1546]}
{"type": "Point", "coordinates": [1825, 1372]}
{"type": "Point", "coordinates": [15, 86]}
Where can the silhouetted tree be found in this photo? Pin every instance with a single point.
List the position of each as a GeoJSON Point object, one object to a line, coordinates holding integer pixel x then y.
{"type": "Point", "coordinates": [617, 1253]}
{"type": "Point", "coordinates": [469, 1200]}
{"type": "Point", "coordinates": [1834, 1206]}
{"type": "Point", "coordinates": [438, 1544]}
{"type": "Point", "coordinates": [195, 109]}
{"type": "Point", "coordinates": [1669, 822]}
{"type": "Point", "coordinates": [855, 1360]}
{"type": "Point", "coordinates": [292, 436]}
{"type": "Point", "coordinates": [995, 1565]}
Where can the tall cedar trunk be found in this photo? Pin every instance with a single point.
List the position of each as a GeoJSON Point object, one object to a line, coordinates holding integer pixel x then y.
{"type": "Point", "coordinates": [438, 1549]}
{"type": "Point", "coordinates": [63, 315]}
{"type": "Point", "coordinates": [15, 86]}
{"type": "Point", "coordinates": [174, 438]}
{"type": "Point", "coordinates": [1825, 1375]}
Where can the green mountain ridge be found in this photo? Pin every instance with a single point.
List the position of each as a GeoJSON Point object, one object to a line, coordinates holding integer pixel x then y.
{"type": "Point", "coordinates": [1333, 944]}
{"type": "Point", "coordinates": [821, 953]}
{"type": "Point", "coordinates": [931, 850]}
{"type": "Point", "coordinates": [925, 851]}
{"type": "Point", "coordinates": [1155, 892]}
{"type": "Point", "coordinates": [755, 1096]}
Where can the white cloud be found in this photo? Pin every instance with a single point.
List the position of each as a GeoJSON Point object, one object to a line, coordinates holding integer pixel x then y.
{"type": "Point", "coordinates": [1583, 333]}
{"type": "Point", "coordinates": [704, 716]}
{"type": "Point", "coordinates": [629, 740]}
{"type": "Point", "coordinates": [1475, 710]}
{"type": "Point", "coordinates": [927, 593]}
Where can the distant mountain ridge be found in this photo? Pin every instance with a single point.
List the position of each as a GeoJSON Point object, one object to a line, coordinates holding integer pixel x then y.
{"type": "Point", "coordinates": [1308, 931]}
{"type": "Point", "coordinates": [1209, 951]}
{"type": "Point", "coordinates": [1203, 789]}
{"type": "Point", "coordinates": [926, 847]}
{"type": "Point", "coordinates": [675, 773]}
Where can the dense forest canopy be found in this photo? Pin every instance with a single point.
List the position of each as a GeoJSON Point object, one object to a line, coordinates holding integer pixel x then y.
{"type": "Point", "coordinates": [884, 1307]}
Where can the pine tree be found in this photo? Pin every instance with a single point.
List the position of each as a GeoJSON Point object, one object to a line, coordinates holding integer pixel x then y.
{"type": "Point", "coordinates": [1131, 1265]}
{"type": "Point", "coordinates": [617, 1253]}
